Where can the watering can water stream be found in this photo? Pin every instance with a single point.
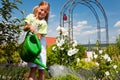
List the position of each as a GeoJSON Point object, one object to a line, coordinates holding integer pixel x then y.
{"type": "Point", "coordinates": [30, 49]}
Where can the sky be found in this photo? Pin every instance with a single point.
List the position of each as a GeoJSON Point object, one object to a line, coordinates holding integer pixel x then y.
{"type": "Point", "coordinates": [84, 20]}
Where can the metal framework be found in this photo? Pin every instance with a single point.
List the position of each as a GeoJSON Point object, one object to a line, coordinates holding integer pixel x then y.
{"type": "Point", "coordinates": [70, 5]}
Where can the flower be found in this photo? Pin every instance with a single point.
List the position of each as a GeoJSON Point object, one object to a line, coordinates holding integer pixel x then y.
{"type": "Point", "coordinates": [60, 42]}
{"type": "Point", "coordinates": [107, 73]}
{"type": "Point", "coordinates": [106, 57]}
{"type": "Point", "coordinates": [54, 48]}
{"type": "Point", "coordinates": [95, 56]}
{"type": "Point", "coordinates": [100, 51]}
{"type": "Point", "coordinates": [58, 29]}
{"type": "Point", "coordinates": [72, 51]}
{"type": "Point", "coordinates": [61, 48]}
{"type": "Point", "coordinates": [115, 66]}
{"type": "Point", "coordinates": [97, 63]}
{"type": "Point", "coordinates": [74, 43]}
{"type": "Point", "coordinates": [78, 59]}
{"type": "Point", "coordinates": [62, 31]}
{"type": "Point", "coordinates": [109, 59]}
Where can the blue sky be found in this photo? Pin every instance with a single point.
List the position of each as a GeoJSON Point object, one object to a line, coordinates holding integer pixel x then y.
{"type": "Point", "coordinates": [84, 22]}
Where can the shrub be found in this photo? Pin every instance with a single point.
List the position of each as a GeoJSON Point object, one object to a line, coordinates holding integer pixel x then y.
{"type": "Point", "coordinates": [12, 72]}
{"type": "Point", "coordinates": [86, 65]}
{"type": "Point", "coordinates": [65, 51]}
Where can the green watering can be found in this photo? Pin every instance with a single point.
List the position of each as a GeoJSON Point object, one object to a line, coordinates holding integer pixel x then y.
{"type": "Point", "coordinates": [30, 49]}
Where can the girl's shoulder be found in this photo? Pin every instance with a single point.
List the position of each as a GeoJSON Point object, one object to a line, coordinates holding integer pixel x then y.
{"type": "Point", "coordinates": [30, 15]}
{"type": "Point", "coordinates": [43, 21]}
{"type": "Point", "coordinates": [29, 18]}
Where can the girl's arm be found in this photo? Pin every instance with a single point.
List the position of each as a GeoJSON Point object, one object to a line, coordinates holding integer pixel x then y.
{"type": "Point", "coordinates": [26, 27]}
{"type": "Point", "coordinates": [29, 27]}
{"type": "Point", "coordinates": [39, 35]}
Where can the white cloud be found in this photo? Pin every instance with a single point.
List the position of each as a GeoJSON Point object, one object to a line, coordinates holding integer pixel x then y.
{"type": "Point", "coordinates": [52, 33]}
{"type": "Point", "coordinates": [82, 22]}
{"type": "Point", "coordinates": [117, 24]}
{"type": "Point", "coordinates": [52, 15]}
{"type": "Point", "coordinates": [102, 30]}
{"type": "Point", "coordinates": [92, 31]}
{"type": "Point", "coordinates": [80, 26]}
{"type": "Point", "coordinates": [118, 31]}
{"type": "Point", "coordinates": [77, 29]}
{"type": "Point", "coordinates": [112, 39]}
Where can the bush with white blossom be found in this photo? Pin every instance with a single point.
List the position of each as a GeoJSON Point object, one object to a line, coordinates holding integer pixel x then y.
{"type": "Point", "coordinates": [65, 48]}
{"type": "Point", "coordinates": [107, 69]}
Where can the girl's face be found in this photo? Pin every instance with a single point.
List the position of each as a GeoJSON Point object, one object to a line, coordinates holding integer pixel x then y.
{"type": "Point", "coordinates": [42, 11]}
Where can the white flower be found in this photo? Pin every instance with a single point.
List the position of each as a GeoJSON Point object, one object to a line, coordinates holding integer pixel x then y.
{"type": "Point", "coordinates": [54, 48]}
{"type": "Point", "coordinates": [72, 51]}
{"type": "Point", "coordinates": [115, 66]}
{"type": "Point", "coordinates": [78, 59]}
{"type": "Point", "coordinates": [65, 33]}
{"type": "Point", "coordinates": [106, 57]}
{"type": "Point", "coordinates": [109, 59]}
{"type": "Point", "coordinates": [60, 42]}
{"type": "Point", "coordinates": [57, 40]}
{"type": "Point", "coordinates": [62, 31]}
{"type": "Point", "coordinates": [97, 63]}
{"type": "Point", "coordinates": [100, 51]}
{"type": "Point", "coordinates": [61, 48]}
{"type": "Point", "coordinates": [58, 29]}
{"type": "Point", "coordinates": [107, 73]}
{"type": "Point", "coordinates": [95, 56]}
{"type": "Point", "coordinates": [75, 50]}
{"type": "Point", "coordinates": [74, 43]}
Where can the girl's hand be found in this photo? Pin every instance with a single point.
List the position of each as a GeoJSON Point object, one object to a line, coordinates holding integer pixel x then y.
{"type": "Point", "coordinates": [26, 27]}
{"type": "Point", "coordinates": [32, 28]}
{"type": "Point", "coordinates": [29, 27]}
{"type": "Point", "coordinates": [39, 35]}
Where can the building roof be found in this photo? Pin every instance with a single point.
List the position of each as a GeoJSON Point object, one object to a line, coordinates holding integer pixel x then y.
{"type": "Point", "coordinates": [50, 41]}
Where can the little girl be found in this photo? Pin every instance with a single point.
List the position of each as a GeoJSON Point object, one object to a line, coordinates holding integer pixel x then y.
{"type": "Point", "coordinates": [38, 23]}
{"type": "Point", "coordinates": [31, 20]}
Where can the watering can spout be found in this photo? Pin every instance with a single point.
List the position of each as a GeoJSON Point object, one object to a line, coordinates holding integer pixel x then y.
{"type": "Point", "coordinates": [39, 63]}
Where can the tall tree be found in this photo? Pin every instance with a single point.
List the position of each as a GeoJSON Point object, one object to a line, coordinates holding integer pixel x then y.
{"type": "Point", "coordinates": [9, 25]}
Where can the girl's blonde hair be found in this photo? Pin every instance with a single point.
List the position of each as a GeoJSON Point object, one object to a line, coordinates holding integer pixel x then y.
{"type": "Point", "coordinates": [46, 4]}
{"type": "Point", "coordinates": [35, 10]}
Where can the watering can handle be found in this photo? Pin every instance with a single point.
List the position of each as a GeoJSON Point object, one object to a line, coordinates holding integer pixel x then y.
{"type": "Point", "coordinates": [29, 33]}
{"type": "Point", "coordinates": [35, 37]}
